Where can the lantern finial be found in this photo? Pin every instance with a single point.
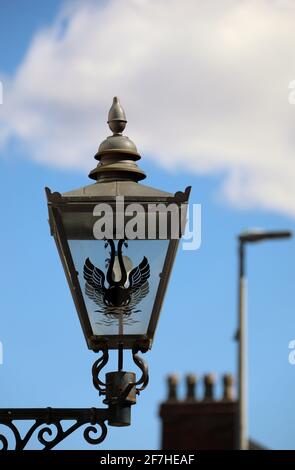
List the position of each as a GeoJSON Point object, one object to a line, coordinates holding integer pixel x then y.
{"type": "Point", "coordinates": [117, 118]}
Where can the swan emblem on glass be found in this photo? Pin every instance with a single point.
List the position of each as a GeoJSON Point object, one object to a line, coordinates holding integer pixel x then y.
{"type": "Point", "coordinates": [125, 290]}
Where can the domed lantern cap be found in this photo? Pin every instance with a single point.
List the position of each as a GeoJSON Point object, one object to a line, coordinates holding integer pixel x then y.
{"type": "Point", "coordinates": [117, 154]}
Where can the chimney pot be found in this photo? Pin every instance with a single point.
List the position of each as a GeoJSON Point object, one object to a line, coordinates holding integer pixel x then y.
{"type": "Point", "coordinates": [172, 381]}
{"type": "Point", "coordinates": [191, 381]}
{"type": "Point", "coordinates": [209, 382]}
{"type": "Point", "coordinates": [228, 382]}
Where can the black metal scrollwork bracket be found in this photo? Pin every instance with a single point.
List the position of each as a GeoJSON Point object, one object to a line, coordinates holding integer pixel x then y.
{"type": "Point", "coordinates": [48, 425]}
{"type": "Point", "coordinates": [120, 389]}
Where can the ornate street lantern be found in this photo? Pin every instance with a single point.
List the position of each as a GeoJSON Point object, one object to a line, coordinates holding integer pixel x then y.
{"type": "Point", "coordinates": [117, 240]}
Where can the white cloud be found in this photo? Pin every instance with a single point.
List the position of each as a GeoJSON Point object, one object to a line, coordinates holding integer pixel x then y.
{"type": "Point", "coordinates": [204, 86]}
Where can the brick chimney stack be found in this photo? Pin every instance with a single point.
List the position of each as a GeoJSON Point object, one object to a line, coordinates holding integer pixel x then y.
{"type": "Point", "coordinates": [199, 423]}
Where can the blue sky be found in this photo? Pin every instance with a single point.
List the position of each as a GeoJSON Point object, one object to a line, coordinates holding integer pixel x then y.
{"type": "Point", "coordinates": [47, 138]}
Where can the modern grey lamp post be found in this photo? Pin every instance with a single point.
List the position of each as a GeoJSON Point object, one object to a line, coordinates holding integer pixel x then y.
{"type": "Point", "coordinates": [251, 236]}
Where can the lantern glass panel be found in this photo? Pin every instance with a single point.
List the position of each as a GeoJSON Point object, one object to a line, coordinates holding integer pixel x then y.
{"type": "Point", "coordinates": [119, 310]}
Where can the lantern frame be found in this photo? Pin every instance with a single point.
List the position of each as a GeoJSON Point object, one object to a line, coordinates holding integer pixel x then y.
{"type": "Point", "coordinates": [85, 200]}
